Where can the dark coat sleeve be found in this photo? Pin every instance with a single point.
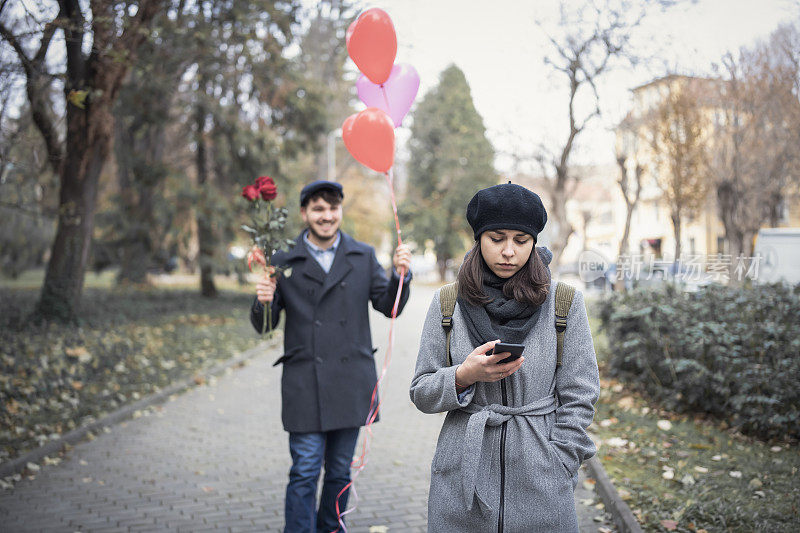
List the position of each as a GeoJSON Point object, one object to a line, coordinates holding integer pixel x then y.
{"type": "Point", "coordinates": [383, 290]}
{"type": "Point", "coordinates": [257, 310]}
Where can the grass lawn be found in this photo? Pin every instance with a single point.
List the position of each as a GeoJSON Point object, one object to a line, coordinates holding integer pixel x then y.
{"type": "Point", "coordinates": [683, 473]}
{"type": "Point", "coordinates": [128, 343]}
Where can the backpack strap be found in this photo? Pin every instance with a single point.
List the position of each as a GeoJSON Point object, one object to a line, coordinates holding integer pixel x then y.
{"type": "Point", "coordinates": [564, 295]}
{"type": "Point", "coordinates": [447, 301]}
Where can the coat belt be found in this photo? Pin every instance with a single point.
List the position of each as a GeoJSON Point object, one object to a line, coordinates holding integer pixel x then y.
{"type": "Point", "coordinates": [475, 454]}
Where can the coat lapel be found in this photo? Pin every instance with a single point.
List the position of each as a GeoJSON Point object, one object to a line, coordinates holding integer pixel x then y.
{"type": "Point", "coordinates": [340, 267]}
{"type": "Point", "coordinates": [310, 268]}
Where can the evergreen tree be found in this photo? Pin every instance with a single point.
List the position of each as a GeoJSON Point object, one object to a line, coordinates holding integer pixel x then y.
{"type": "Point", "coordinates": [451, 159]}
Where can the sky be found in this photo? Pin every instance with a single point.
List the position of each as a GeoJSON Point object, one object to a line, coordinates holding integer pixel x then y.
{"type": "Point", "coordinates": [502, 51]}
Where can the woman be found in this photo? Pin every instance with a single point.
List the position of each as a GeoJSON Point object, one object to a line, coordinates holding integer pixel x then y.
{"type": "Point", "coordinates": [515, 433]}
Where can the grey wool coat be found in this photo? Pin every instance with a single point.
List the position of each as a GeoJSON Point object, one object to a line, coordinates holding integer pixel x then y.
{"type": "Point", "coordinates": [328, 360]}
{"type": "Point", "coordinates": [546, 441]}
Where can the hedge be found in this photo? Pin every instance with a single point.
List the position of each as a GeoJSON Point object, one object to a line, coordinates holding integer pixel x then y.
{"type": "Point", "coordinates": [733, 353]}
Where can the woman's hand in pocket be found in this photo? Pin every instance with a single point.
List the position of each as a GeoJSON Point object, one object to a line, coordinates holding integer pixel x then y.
{"type": "Point", "coordinates": [478, 366]}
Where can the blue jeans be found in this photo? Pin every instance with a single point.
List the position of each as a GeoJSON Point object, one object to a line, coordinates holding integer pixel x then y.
{"type": "Point", "coordinates": [308, 452]}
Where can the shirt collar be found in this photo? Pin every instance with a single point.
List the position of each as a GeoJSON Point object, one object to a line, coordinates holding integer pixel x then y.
{"type": "Point", "coordinates": [316, 249]}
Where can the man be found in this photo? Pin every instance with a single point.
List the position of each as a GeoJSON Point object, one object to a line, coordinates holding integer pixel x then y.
{"type": "Point", "coordinates": [328, 366]}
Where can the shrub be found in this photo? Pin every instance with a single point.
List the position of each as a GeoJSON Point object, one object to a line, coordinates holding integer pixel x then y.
{"type": "Point", "coordinates": [733, 353]}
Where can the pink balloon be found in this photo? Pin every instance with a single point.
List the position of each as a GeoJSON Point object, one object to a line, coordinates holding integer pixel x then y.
{"type": "Point", "coordinates": [395, 95]}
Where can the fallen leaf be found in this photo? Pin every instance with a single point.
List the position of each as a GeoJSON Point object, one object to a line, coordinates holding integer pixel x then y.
{"type": "Point", "coordinates": [776, 449]}
{"type": "Point", "coordinates": [670, 525]}
{"type": "Point", "coordinates": [701, 469]}
{"type": "Point", "coordinates": [735, 473]}
{"type": "Point", "coordinates": [378, 529]}
{"type": "Point", "coordinates": [80, 353]}
{"type": "Point", "coordinates": [12, 406]}
{"type": "Point", "coordinates": [717, 458]}
{"type": "Point", "coordinates": [664, 425]}
{"type": "Point", "coordinates": [688, 480]}
{"type": "Point", "coordinates": [626, 402]}
{"type": "Point", "coordinates": [208, 489]}
{"type": "Point", "coordinates": [755, 483]}
{"type": "Point", "coordinates": [668, 474]}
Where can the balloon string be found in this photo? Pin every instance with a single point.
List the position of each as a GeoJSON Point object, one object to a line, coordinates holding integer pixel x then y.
{"type": "Point", "coordinates": [360, 462]}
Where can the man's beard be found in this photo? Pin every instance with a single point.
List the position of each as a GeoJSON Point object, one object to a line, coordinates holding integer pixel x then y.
{"type": "Point", "coordinates": [323, 238]}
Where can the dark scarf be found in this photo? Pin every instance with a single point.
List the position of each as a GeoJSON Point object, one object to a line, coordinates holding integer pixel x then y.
{"type": "Point", "coordinates": [503, 318]}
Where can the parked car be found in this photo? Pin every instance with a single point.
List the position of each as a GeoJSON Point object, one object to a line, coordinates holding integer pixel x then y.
{"type": "Point", "coordinates": [779, 250]}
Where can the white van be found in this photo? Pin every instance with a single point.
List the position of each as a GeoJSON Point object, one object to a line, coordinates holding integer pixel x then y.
{"type": "Point", "coordinates": [779, 249]}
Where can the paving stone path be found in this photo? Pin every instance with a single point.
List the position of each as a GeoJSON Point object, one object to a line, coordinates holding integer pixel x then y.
{"type": "Point", "coordinates": [216, 459]}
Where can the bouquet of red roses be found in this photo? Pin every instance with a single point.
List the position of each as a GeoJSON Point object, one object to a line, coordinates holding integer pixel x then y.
{"type": "Point", "coordinates": [266, 229]}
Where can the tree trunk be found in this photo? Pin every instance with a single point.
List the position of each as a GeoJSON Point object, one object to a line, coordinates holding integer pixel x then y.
{"type": "Point", "coordinates": [205, 232]}
{"type": "Point", "coordinates": [558, 213]}
{"type": "Point", "coordinates": [87, 147]}
{"type": "Point", "coordinates": [441, 263]}
{"type": "Point", "coordinates": [139, 175]}
{"type": "Point", "coordinates": [676, 224]}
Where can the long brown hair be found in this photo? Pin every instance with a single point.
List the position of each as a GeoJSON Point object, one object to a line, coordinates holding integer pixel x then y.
{"type": "Point", "coordinates": [530, 284]}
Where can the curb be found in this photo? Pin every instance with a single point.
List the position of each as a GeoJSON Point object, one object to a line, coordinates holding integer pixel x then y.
{"type": "Point", "coordinates": [616, 506]}
{"type": "Point", "coordinates": [18, 464]}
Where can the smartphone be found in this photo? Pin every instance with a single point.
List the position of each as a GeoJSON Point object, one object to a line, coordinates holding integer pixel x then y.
{"type": "Point", "coordinates": [514, 349]}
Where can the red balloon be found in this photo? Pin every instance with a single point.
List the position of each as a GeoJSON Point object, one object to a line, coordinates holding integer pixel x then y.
{"type": "Point", "coordinates": [372, 44]}
{"type": "Point", "coordinates": [350, 29]}
{"type": "Point", "coordinates": [369, 137]}
{"type": "Point", "coordinates": [347, 125]}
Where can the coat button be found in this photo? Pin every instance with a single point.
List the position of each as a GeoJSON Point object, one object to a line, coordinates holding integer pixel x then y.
{"type": "Point", "coordinates": [344, 284]}
{"type": "Point", "coordinates": [319, 360]}
{"type": "Point", "coordinates": [317, 323]}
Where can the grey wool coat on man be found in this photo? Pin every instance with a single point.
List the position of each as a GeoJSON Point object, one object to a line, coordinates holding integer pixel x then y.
{"type": "Point", "coordinates": [546, 441]}
{"type": "Point", "coordinates": [328, 361]}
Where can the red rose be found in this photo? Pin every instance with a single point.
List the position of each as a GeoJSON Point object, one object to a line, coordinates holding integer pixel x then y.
{"type": "Point", "coordinates": [267, 188]}
{"type": "Point", "coordinates": [250, 192]}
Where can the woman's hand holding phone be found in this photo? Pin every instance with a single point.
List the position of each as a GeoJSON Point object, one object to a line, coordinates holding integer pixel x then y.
{"type": "Point", "coordinates": [478, 366]}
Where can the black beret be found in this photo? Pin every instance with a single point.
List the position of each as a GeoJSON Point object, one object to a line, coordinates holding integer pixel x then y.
{"type": "Point", "coordinates": [506, 206]}
{"type": "Point", "coordinates": [319, 185]}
